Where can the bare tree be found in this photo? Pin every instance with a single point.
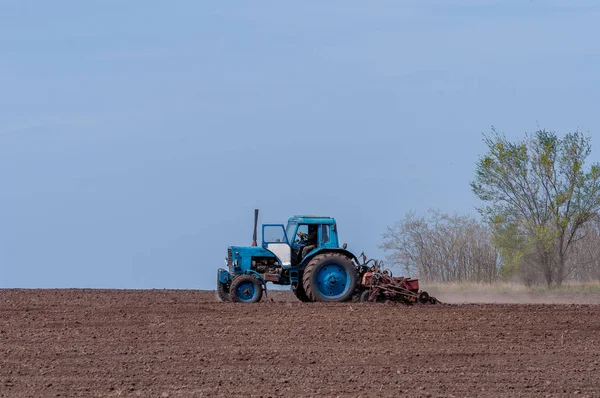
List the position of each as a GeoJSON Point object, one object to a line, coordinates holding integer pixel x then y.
{"type": "Point", "coordinates": [584, 263]}
{"type": "Point", "coordinates": [442, 248]}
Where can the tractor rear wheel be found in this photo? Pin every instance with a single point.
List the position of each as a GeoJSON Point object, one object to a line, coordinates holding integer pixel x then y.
{"type": "Point", "coordinates": [300, 293]}
{"type": "Point", "coordinates": [246, 289]}
{"type": "Point", "coordinates": [330, 277]}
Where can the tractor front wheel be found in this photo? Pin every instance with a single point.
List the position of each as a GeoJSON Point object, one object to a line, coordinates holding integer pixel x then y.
{"type": "Point", "coordinates": [246, 289]}
{"type": "Point", "coordinates": [223, 291]}
{"type": "Point", "coordinates": [330, 277]}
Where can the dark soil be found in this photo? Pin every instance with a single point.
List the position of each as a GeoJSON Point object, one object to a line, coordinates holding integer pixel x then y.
{"type": "Point", "coordinates": [155, 343]}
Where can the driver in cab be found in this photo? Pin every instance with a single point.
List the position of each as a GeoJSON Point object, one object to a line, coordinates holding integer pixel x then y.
{"type": "Point", "coordinates": [309, 239]}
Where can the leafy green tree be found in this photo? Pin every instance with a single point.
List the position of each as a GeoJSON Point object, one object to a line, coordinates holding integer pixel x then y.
{"type": "Point", "coordinates": [537, 195]}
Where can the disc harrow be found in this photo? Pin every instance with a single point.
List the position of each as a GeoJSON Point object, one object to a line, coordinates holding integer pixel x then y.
{"type": "Point", "coordinates": [377, 284]}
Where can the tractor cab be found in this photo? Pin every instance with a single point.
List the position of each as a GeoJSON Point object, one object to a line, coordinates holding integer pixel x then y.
{"type": "Point", "coordinates": [302, 236]}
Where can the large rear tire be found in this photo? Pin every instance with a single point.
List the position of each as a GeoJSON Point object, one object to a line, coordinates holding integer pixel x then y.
{"type": "Point", "coordinates": [300, 293]}
{"type": "Point", "coordinates": [246, 289]}
{"type": "Point", "coordinates": [330, 277]}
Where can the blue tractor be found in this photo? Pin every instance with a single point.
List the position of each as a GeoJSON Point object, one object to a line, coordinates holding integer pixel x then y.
{"type": "Point", "coordinates": [305, 254]}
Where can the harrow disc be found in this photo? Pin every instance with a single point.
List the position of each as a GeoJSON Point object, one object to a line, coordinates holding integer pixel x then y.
{"type": "Point", "coordinates": [424, 297]}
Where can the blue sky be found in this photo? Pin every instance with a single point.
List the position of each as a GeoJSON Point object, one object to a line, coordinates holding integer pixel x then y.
{"type": "Point", "coordinates": [137, 137]}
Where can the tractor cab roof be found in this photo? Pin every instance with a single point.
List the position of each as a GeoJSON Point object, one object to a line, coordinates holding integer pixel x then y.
{"type": "Point", "coordinates": [307, 219]}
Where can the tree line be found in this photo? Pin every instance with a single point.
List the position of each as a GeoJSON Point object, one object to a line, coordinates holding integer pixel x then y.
{"type": "Point", "coordinates": [539, 218]}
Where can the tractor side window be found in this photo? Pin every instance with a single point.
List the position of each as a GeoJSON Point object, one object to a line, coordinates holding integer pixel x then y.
{"type": "Point", "coordinates": [302, 229]}
{"type": "Point", "coordinates": [291, 231]}
{"type": "Point", "coordinates": [274, 234]}
{"type": "Point", "coordinates": [325, 233]}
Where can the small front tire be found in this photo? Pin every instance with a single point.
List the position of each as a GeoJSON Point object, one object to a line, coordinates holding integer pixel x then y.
{"type": "Point", "coordinates": [223, 292]}
{"type": "Point", "coordinates": [246, 289]}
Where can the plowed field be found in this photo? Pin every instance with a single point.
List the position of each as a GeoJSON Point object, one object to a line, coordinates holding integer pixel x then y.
{"type": "Point", "coordinates": [155, 343]}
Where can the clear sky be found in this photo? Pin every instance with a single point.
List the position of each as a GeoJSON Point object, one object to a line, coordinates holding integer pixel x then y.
{"type": "Point", "coordinates": [137, 137]}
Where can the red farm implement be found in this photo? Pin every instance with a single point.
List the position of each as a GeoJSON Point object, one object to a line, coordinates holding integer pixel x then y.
{"type": "Point", "coordinates": [378, 285]}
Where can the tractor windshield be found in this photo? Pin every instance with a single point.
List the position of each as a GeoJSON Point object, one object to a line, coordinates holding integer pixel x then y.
{"type": "Point", "coordinates": [290, 231]}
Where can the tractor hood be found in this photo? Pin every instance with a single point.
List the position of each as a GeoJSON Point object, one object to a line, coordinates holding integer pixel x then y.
{"type": "Point", "coordinates": [238, 256]}
{"type": "Point", "coordinates": [248, 251]}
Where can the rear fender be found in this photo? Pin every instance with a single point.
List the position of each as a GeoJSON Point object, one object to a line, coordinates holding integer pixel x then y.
{"type": "Point", "coordinates": [318, 251]}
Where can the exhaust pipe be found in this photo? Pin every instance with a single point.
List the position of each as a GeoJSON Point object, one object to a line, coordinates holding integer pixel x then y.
{"type": "Point", "coordinates": [255, 226]}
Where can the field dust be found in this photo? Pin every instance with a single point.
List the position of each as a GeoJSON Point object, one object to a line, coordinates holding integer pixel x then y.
{"type": "Point", "coordinates": [161, 343]}
{"type": "Point", "coordinates": [516, 298]}
{"type": "Point", "coordinates": [479, 297]}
